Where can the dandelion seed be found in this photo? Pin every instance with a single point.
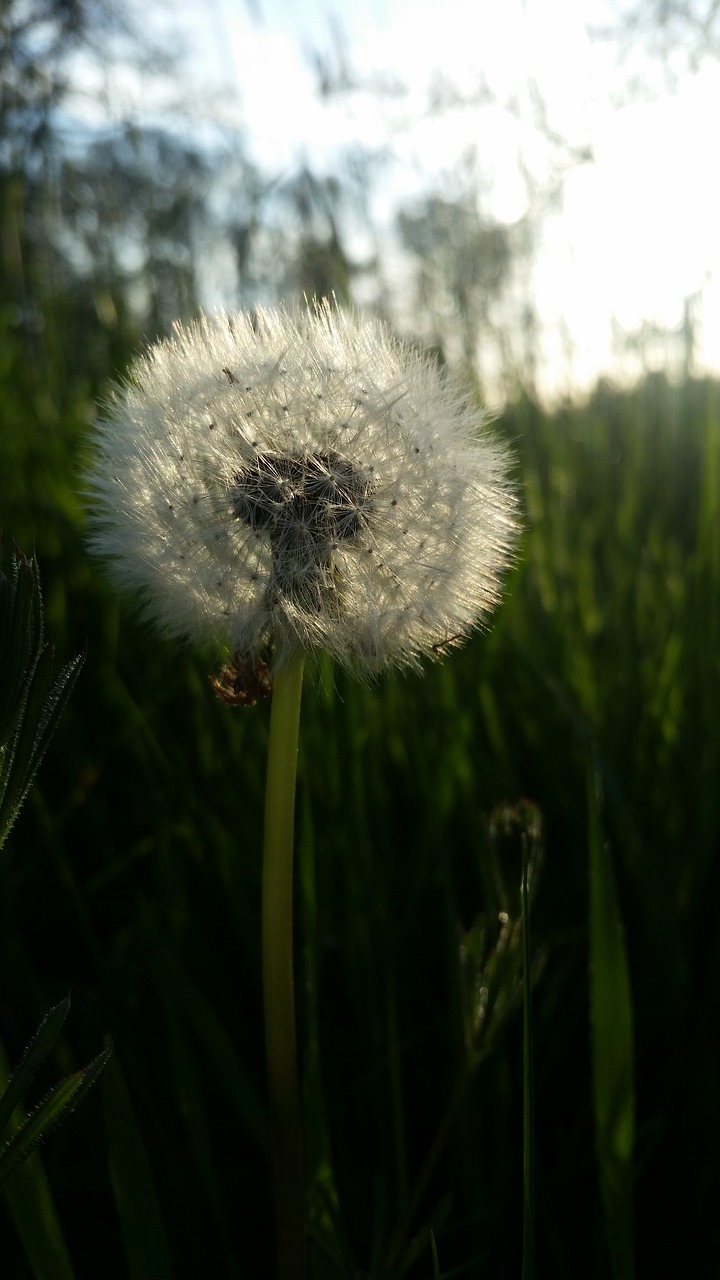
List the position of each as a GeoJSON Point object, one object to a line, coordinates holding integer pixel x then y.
{"type": "Point", "coordinates": [298, 480]}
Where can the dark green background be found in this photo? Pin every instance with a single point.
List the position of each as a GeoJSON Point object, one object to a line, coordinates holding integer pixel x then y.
{"type": "Point", "coordinates": [132, 877]}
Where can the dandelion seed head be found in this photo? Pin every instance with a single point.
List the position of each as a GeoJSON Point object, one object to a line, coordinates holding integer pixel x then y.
{"type": "Point", "coordinates": [298, 479]}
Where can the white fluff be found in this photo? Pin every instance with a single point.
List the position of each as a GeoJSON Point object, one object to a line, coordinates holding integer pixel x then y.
{"type": "Point", "coordinates": [298, 479]}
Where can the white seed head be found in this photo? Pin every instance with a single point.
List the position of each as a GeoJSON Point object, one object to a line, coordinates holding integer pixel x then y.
{"type": "Point", "coordinates": [299, 480]}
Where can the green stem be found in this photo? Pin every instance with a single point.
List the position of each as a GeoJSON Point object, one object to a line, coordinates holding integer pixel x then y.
{"type": "Point", "coordinates": [528, 1259]}
{"type": "Point", "coordinates": [278, 990]}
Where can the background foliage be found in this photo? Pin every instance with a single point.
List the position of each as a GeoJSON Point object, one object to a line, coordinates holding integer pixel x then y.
{"type": "Point", "coordinates": [132, 877]}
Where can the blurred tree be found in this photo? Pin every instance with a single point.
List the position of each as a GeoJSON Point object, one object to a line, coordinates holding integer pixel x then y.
{"type": "Point", "coordinates": [104, 217]}
{"type": "Point", "coordinates": [38, 38]}
{"type": "Point", "coordinates": [320, 262]}
{"type": "Point", "coordinates": [135, 206]}
{"type": "Point", "coordinates": [653, 347]}
{"type": "Point", "coordinates": [103, 232]}
{"type": "Point", "coordinates": [462, 264]}
{"type": "Point", "coordinates": [135, 223]}
{"type": "Point", "coordinates": [678, 35]}
{"type": "Point", "coordinates": [459, 272]}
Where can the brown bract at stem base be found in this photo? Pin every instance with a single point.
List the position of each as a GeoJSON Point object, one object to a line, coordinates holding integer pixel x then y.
{"type": "Point", "coordinates": [243, 681]}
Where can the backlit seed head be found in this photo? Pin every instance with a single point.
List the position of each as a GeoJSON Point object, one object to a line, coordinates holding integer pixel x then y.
{"type": "Point", "coordinates": [299, 480]}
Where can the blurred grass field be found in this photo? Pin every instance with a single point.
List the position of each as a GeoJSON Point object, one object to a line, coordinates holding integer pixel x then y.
{"type": "Point", "coordinates": [133, 875]}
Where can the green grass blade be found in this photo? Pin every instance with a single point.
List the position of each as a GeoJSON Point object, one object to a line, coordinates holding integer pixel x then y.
{"type": "Point", "coordinates": [30, 707]}
{"type": "Point", "coordinates": [62, 1099]}
{"type": "Point", "coordinates": [30, 1204]}
{"type": "Point", "coordinates": [612, 1048]}
{"type": "Point", "coordinates": [208, 1026]}
{"type": "Point", "coordinates": [21, 636]}
{"type": "Point", "coordinates": [41, 712]}
{"type": "Point", "coordinates": [32, 1209]}
{"type": "Point", "coordinates": [38, 1048]}
{"type": "Point", "coordinates": [528, 1262]}
{"type": "Point", "coordinates": [435, 1259]}
{"type": "Point", "coordinates": [141, 1222]}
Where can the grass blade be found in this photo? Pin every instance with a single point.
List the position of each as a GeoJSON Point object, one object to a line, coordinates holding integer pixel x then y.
{"type": "Point", "coordinates": [528, 1262]}
{"type": "Point", "coordinates": [32, 1209]}
{"type": "Point", "coordinates": [612, 1047]}
{"type": "Point", "coordinates": [21, 636]}
{"type": "Point", "coordinates": [30, 1205]}
{"type": "Point", "coordinates": [141, 1221]}
{"type": "Point", "coordinates": [62, 1099]}
{"type": "Point", "coordinates": [42, 710]}
{"type": "Point", "coordinates": [38, 1048]}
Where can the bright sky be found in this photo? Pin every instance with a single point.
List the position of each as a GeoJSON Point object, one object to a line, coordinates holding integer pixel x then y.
{"type": "Point", "coordinates": [637, 230]}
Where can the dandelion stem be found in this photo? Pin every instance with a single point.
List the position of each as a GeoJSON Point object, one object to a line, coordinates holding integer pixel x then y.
{"type": "Point", "coordinates": [278, 990]}
{"type": "Point", "coordinates": [528, 1260]}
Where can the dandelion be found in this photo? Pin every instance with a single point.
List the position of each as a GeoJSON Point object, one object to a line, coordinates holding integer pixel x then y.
{"type": "Point", "coordinates": [297, 482]}
{"type": "Point", "coordinates": [281, 485]}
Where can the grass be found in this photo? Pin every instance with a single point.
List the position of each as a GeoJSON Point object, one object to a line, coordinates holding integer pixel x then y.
{"type": "Point", "coordinates": [133, 877]}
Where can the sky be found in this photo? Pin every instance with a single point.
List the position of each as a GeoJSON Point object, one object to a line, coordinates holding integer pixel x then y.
{"type": "Point", "coordinates": [634, 233]}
